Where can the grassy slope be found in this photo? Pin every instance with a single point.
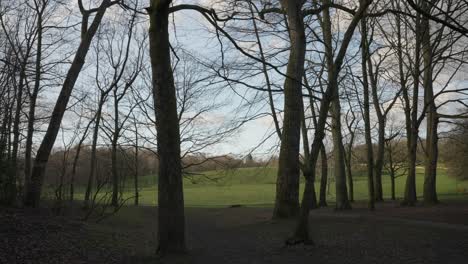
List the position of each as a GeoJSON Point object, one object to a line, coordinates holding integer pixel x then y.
{"type": "Point", "coordinates": [256, 186]}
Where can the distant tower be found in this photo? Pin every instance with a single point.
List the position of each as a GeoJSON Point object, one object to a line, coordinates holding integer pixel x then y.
{"type": "Point", "coordinates": [248, 161]}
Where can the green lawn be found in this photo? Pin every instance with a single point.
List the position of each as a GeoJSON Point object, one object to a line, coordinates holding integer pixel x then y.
{"type": "Point", "coordinates": [256, 186]}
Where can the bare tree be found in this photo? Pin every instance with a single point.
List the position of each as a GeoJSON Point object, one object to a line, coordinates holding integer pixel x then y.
{"type": "Point", "coordinates": [33, 192]}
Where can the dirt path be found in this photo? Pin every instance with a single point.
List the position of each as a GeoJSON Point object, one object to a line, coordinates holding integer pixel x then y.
{"type": "Point", "coordinates": [240, 235]}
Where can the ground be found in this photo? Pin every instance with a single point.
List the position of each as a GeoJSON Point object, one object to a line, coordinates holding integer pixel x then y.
{"type": "Point", "coordinates": [392, 234]}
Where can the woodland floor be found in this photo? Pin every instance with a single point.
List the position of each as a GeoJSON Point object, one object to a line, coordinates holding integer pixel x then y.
{"type": "Point", "coordinates": [392, 234]}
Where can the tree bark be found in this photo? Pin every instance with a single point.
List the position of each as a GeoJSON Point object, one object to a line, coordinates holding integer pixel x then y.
{"type": "Point", "coordinates": [171, 218]}
{"type": "Point", "coordinates": [137, 195]}
{"type": "Point", "coordinates": [379, 158]}
{"type": "Point", "coordinates": [11, 188]}
{"type": "Point", "coordinates": [367, 126]}
{"type": "Point", "coordinates": [115, 138]}
{"type": "Point", "coordinates": [410, 198]}
{"type": "Point", "coordinates": [32, 101]}
{"type": "Point", "coordinates": [75, 161]}
{"type": "Point", "coordinates": [287, 185]}
{"type": "Point", "coordinates": [429, 193]}
{"type": "Point", "coordinates": [348, 163]}
{"type": "Point", "coordinates": [392, 179]}
{"type": "Point", "coordinates": [93, 157]}
{"type": "Point", "coordinates": [323, 176]}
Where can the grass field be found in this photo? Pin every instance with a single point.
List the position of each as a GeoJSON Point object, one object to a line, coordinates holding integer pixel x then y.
{"type": "Point", "coordinates": [256, 187]}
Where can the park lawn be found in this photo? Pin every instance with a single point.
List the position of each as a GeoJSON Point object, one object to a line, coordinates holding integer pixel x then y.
{"type": "Point", "coordinates": [256, 187]}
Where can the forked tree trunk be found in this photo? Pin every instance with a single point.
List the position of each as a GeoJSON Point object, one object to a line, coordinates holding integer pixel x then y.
{"type": "Point", "coordinates": [287, 184]}
{"type": "Point", "coordinates": [301, 232]}
{"type": "Point", "coordinates": [309, 177]}
{"type": "Point", "coordinates": [171, 219]}
{"type": "Point", "coordinates": [33, 192]}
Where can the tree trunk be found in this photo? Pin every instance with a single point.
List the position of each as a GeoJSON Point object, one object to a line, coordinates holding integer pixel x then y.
{"type": "Point", "coordinates": [32, 103]}
{"type": "Point", "coordinates": [171, 218]}
{"type": "Point", "coordinates": [348, 163]}
{"type": "Point", "coordinates": [10, 189]}
{"type": "Point", "coordinates": [33, 193]}
{"type": "Point", "coordinates": [412, 126]}
{"type": "Point", "coordinates": [391, 169]}
{"type": "Point", "coordinates": [301, 233]}
{"type": "Point", "coordinates": [93, 157]}
{"type": "Point", "coordinates": [75, 160]}
{"type": "Point", "coordinates": [349, 173]}
{"type": "Point", "coordinates": [342, 201]}
{"type": "Point", "coordinates": [137, 195]}
{"type": "Point", "coordinates": [287, 185]}
{"type": "Point", "coordinates": [392, 179]}
{"type": "Point", "coordinates": [379, 159]}
{"type": "Point", "coordinates": [429, 193]}
{"type": "Point", "coordinates": [410, 186]}
{"type": "Point", "coordinates": [367, 126]}
{"type": "Point", "coordinates": [309, 176]}
{"type": "Point", "coordinates": [115, 138]}
{"type": "Point", "coordinates": [324, 177]}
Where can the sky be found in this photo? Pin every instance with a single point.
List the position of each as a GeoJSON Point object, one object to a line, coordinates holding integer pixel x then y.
{"type": "Point", "coordinates": [191, 32]}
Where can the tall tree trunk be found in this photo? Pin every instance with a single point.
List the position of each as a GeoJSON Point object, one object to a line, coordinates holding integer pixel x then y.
{"type": "Point", "coordinates": [287, 184]}
{"type": "Point", "coordinates": [137, 195]}
{"type": "Point", "coordinates": [5, 145]}
{"type": "Point", "coordinates": [323, 176]}
{"type": "Point", "coordinates": [391, 170]}
{"type": "Point", "coordinates": [33, 192]}
{"type": "Point", "coordinates": [11, 188]}
{"type": "Point", "coordinates": [309, 177]}
{"type": "Point", "coordinates": [93, 157]}
{"type": "Point", "coordinates": [349, 173]}
{"type": "Point", "coordinates": [301, 232]}
{"type": "Point", "coordinates": [171, 218]}
{"type": "Point", "coordinates": [348, 163]}
{"type": "Point", "coordinates": [392, 182]}
{"type": "Point", "coordinates": [366, 106]}
{"type": "Point", "coordinates": [379, 158]}
{"type": "Point", "coordinates": [115, 138]}
{"type": "Point", "coordinates": [32, 103]}
{"type": "Point", "coordinates": [412, 126]}
{"type": "Point", "coordinates": [76, 159]}
{"type": "Point", "coordinates": [342, 201]}
{"type": "Point", "coordinates": [429, 193]}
